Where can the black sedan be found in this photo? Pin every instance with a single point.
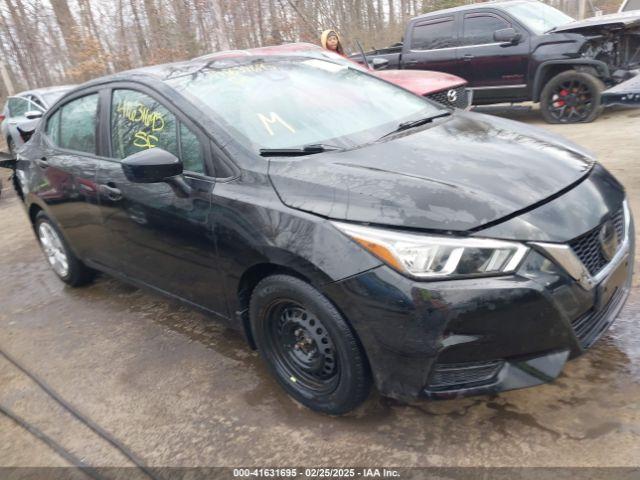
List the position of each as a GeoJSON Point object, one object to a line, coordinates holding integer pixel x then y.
{"type": "Point", "coordinates": [356, 233]}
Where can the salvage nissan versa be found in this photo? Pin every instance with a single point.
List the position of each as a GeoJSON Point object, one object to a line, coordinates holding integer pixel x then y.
{"type": "Point", "coordinates": [355, 233]}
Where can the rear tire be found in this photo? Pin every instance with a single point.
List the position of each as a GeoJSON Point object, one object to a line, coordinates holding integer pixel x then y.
{"type": "Point", "coordinates": [572, 97]}
{"type": "Point", "coordinates": [61, 259]}
{"type": "Point", "coordinates": [308, 346]}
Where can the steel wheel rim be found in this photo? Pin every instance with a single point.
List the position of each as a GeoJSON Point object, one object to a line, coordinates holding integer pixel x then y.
{"type": "Point", "coordinates": [301, 347]}
{"type": "Point", "coordinates": [53, 249]}
{"type": "Point", "coordinates": [570, 100]}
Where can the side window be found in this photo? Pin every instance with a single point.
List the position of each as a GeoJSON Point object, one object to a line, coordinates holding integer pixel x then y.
{"type": "Point", "coordinates": [479, 29]}
{"type": "Point", "coordinates": [78, 124]}
{"type": "Point", "coordinates": [18, 106]}
{"type": "Point", "coordinates": [53, 127]}
{"type": "Point", "coordinates": [434, 35]}
{"type": "Point", "coordinates": [190, 151]}
{"type": "Point", "coordinates": [139, 121]}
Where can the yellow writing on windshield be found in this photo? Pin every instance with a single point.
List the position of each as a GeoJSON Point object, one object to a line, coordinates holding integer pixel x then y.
{"type": "Point", "coordinates": [274, 119]}
{"type": "Point", "coordinates": [145, 140]}
{"type": "Point", "coordinates": [137, 112]}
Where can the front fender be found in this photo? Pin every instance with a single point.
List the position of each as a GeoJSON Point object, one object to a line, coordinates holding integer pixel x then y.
{"type": "Point", "coordinates": [601, 67]}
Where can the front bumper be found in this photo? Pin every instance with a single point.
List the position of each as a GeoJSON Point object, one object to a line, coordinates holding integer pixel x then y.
{"type": "Point", "coordinates": [625, 93]}
{"type": "Point", "coordinates": [463, 337]}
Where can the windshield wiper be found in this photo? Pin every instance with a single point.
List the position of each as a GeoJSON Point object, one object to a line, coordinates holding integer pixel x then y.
{"type": "Point", "coordinates": [416, 123]}
{"type": "Point", "coordinates": [298, 152]}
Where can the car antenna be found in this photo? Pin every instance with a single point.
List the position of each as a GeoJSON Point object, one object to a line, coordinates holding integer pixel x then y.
{"type": "Point", "coordinates": [364, 57]}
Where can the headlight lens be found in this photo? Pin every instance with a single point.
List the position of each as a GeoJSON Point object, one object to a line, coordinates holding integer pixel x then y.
{"type": "Point", "coordinates": [432, 257]}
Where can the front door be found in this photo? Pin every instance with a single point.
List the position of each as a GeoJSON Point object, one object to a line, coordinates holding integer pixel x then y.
{"type": "Point", "coordinates": [161, 235]}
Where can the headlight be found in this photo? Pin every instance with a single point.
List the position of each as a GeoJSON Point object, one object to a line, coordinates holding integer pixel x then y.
{"type": "Point", "coordinates": [437, 257]}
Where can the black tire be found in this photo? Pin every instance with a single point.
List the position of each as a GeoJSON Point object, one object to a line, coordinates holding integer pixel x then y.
{"type": "Point", "coordinates": [572, 97]}
{"type": "Point", "coordinates": [77, 273]}
{"type": "Point", "coordinates": [308, 346]}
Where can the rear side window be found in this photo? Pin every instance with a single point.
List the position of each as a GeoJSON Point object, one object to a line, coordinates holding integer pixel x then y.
{"type": "Point", "coordinates": [53, 127]}
{"type": "Point", "coordinates": [479, 29]}
{"type": "Point", "coordinates": [434, 35]}
{"type": "Point", "coordinates": [78, 124]}
{"type": "Point", "coordinates": [139, 122]}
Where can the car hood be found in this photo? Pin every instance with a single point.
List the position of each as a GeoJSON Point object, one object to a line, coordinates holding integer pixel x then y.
{"type": "Point", "coordinates": [459, 173]}
{"type": "Point", "coordinates": [421, 82]}
{"type": "Point", "coordinates": [613, 21]}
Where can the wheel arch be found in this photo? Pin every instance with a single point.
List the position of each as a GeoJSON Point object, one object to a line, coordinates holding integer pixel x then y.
{"type": "Point", "coordinates": [33, 207]}
{"type": "Point", "coordinates": [33, 211]}
{"type": "Point", "coordinates": [549, 69]}
{"type": "Point", "coordinates": [247, 284]}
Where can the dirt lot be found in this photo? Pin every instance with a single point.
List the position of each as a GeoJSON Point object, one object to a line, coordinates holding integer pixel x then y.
{"type": "Point", "coordinates": [178, 390]}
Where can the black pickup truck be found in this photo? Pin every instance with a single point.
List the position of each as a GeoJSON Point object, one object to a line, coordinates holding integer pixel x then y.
{"type": "Point", "coordinates": [525, 50]}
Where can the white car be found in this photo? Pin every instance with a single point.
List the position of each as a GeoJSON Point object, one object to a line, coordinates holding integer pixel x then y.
{"type": "Point", "coordinates": [22, 112]}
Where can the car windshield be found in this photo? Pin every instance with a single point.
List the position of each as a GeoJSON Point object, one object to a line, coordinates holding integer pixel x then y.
{"type": "Point", "coordinates": [631, 5]}
{"type": "Point", "coordinates": [280, 103]}
{"type": "Point", "coordinates": [537, 16]}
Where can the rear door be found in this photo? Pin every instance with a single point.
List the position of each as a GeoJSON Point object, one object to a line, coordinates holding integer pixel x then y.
{"type": "Point", "coordinates": [159, 235]}
{"type": "Point", "coordinates": [68, 165]}
{"type": "Point", "coordinates": [493, 69]}
{"type": "Point", "coordinates": [433, 45]}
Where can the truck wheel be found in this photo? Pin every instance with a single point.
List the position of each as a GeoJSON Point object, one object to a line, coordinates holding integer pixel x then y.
{"type": "Point", "coordinates": [308, 346]}
{"type": "Point", "coordinates": [572, 97]}
{"type": "Point", "coordinates": [60, 257]}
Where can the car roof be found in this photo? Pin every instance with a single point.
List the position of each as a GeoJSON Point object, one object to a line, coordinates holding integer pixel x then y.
{"type": "Point", "coordinates": [41, 91]}
{"type": "Point", "coordinates": [490, 4]}
{"type": "Point", "coordinates": [169, 70]}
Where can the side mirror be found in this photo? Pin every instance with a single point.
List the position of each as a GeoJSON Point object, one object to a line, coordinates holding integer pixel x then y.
{"type": "Point", "coordinates": [380, 63]}
{"type": "Point", "coordinates": [508, 36]}
{"type": "Point", "coordinates": [154, 165]}
{"type": "Point", "coordinates": [33, 114]}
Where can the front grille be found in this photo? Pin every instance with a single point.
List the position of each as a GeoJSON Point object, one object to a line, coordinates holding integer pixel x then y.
{"type": "Point", "coordinates": [447, 376]}
{"type": "Point", "coordinates": [593, 324]}
{"type": "Point", "coordinates": [461, 100]}
{"type": "Point", "coordinates": [587, 247]}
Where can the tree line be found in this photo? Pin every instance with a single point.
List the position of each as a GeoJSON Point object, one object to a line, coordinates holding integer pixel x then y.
{"type": "Point", "coordinates": [52, 42]}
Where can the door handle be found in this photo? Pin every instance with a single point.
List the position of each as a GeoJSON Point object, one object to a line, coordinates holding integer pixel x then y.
{"type": "Point", "coordinates": [411, 62]}
{"type": "Point", "coordinates": [468, 57]}
{"type": "Point", "coordinates": [111, 191]}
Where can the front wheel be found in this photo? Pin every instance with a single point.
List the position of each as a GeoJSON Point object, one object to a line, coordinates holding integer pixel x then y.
{"type": "Point", "coordinates": [60, 257]}
{"type": "Point", "coordinates": [572, 97]}
{"type": "Point", "coordinates": [308, 346]}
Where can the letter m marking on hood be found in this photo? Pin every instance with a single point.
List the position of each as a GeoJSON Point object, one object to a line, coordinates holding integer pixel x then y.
{"type": "Point", "coordinates": [273, 119]}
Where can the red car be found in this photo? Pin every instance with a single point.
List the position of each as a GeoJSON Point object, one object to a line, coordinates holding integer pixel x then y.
{"type": "Point", "coordinates": [443, 88]}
